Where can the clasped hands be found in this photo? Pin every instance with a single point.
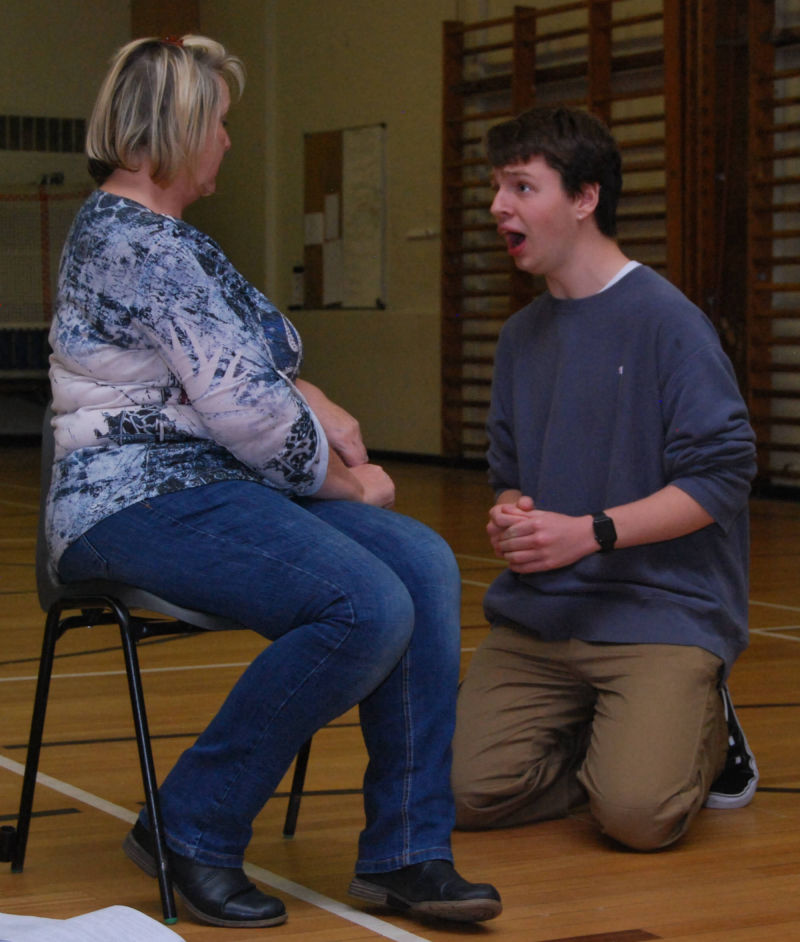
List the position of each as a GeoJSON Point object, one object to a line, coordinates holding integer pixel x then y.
{"type": "Point", "coordinates": [532, 540]}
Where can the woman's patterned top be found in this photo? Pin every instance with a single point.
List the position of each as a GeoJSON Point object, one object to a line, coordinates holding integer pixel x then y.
{"type": "Point", "coordinates": [169, 370]}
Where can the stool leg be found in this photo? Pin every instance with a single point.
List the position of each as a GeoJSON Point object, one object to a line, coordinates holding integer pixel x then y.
{"type": "Point", "coordinates": [296, 793]}
{"type": "Point", "coordinates": [148, 768]}
{"type": "Point", "coordinates": [51, 635]}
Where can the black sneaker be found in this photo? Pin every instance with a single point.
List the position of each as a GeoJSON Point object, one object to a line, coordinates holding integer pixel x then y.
{"type": "Point", "coordinates": [736, 784]}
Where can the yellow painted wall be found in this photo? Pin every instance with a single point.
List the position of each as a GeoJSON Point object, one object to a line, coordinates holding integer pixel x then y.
{"type": "Point", "coordinates": [344, 63]}
{"type": "Point", "coordinates": [52, 59]}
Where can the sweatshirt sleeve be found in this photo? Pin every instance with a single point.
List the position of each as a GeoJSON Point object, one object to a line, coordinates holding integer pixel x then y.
{"type": "Point", "coordinates": [709, 444]}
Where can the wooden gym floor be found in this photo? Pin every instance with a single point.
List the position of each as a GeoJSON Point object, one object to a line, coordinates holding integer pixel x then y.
{"type": "Point", "coordinates": [735, 878]}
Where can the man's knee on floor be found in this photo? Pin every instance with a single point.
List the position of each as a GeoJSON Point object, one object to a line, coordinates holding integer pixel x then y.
{"type": "Point", "coordinates": [644, 827]}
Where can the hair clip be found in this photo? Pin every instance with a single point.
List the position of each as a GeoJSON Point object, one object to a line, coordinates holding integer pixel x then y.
{"type": "Point", "coordinates": [173, 41]}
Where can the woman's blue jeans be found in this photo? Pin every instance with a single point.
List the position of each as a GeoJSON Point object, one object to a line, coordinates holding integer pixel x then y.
{"type": "Point", "coordinates": [362, 606]}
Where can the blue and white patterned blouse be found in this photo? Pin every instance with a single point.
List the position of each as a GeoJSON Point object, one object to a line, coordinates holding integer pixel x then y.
{"type": "Point", "coordinates": [169, 370]}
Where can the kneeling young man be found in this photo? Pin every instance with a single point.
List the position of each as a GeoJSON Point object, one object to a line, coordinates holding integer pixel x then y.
{"type": "Point", "coordinates": [621, 455]}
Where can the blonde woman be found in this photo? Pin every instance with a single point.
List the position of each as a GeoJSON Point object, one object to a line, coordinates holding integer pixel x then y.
{"type": "Point", "coordinates": [192, 461]}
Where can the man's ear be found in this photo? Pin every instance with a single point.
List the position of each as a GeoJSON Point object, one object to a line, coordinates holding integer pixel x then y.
{"type": "Point", "coordinates": [586, 201]}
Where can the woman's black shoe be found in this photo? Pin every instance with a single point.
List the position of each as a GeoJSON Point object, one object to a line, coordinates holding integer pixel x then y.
{"type": "Point", "coordinates": [220, 896]}
{"type": "Point", "coordinates": [431, 888]}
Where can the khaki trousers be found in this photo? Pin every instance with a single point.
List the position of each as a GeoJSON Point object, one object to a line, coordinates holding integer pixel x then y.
{"type": "Point", "coordinates": [542, 726]}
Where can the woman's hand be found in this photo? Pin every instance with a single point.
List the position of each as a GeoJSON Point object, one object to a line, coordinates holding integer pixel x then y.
{"type": "Point", "coordinates": [378, 486]}
{"type": "Point", "coordinates": [341, 429]}
{"type": "Point", "coordinates": [344, 435]}
{"type": "Point", "coordinates": [366, 483]}
{"type": "Point", "coordinates": [350, 476]}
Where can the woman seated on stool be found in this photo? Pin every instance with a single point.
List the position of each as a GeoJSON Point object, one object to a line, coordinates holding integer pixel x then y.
{"type": "Point", "coordinates": [192, 462]}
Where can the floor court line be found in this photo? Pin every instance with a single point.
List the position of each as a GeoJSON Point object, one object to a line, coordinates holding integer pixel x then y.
{"type": "Point", "coordinates": [788, 608]}
{"type": "Point", "coordinates": [778, 632]}
{"type": "Point", "coordinates": [384, 929]}
{"type": "Point", "coordinates": [17, 504]}
{"type": "Point", "coordinates": [28, 678]}
{"type": "Point", "coordinates": [121, 673]}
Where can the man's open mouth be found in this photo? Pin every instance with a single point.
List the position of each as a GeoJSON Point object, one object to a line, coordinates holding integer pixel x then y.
{"type": "Point", "coordinates": [513, 239]}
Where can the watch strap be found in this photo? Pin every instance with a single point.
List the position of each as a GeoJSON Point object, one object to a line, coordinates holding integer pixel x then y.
{"type": "Point", "coordinates": [604, 531]}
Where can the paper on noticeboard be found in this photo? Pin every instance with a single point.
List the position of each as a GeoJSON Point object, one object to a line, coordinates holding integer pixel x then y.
{"type": "Point", "coordinates": [314, 232]}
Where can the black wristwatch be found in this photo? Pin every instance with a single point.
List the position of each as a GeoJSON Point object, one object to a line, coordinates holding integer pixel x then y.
{"type": "Point", "coordinates": [604, 531]}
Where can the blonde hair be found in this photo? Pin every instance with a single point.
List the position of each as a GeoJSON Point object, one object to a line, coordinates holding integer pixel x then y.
{"type": "Point", "coordinates": [159, 99]}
